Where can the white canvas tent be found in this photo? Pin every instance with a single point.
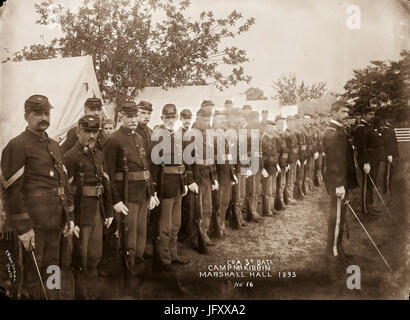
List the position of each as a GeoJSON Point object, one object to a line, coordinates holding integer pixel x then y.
{"type": "Point", "coordinates": [67, 82]}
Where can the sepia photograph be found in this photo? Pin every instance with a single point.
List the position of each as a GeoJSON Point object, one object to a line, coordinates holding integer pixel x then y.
{"type": "Point", "coordinates": [204, 150]}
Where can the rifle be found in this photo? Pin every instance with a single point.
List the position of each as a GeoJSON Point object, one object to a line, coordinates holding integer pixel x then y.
{"type": "Point", "coordinates": [123, 225]}
{"type": "Point", "coordinates": [78, 214]}
{"type": "Point", "coordinates": [202, 247]}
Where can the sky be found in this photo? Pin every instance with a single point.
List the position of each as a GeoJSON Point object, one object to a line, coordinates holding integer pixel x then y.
{"type": "Point", "coordinates": [309, 38]}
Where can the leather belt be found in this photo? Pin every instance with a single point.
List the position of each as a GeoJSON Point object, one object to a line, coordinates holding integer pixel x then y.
{"type": "Point", "coordinates": [90, 191]}
{"type": "Point", "coordinates": [173, 169]}
{"type": "Point", "coordinates": [271, 159]}
{"type": "Point", "coordinates": [285, 155]}
{"type": "Point", "coordinates": [304, 147]}
{"type": "Point", "coordinates": [295, 150]}
{"type": "Point", "coordinates": [133, 175]}
{"type": "Point", "coordinates": [47, 192]}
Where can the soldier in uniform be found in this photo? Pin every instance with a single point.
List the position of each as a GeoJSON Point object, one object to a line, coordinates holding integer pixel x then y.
{"type": "Point", "coordinates": [170, 181]}
{"type": "Point", "coordinates": [204, 179]}
{"type": "Point", "coordinates": [340, 176]}
{"type": "Point", "coordinates": [140, 190]}
{"type": "Point", "coordinates": [228, 105]}
{"type": "Point", "coordinates": [390, 152]}
{"type": "Point", "coordinates": [366, 141]}
{"type": "Point", "coordinates": [38, 201]}
{"type": "Point", "coordinates": [283, 161]}
{"type": "Point", "coordinates": [91, 189]}
{"type": "Point", "coordinates": [270, 162]}
{"type": "Point", "coordinates": [108, 127]}
{"type": "Point", "coordinates": [93, 107]}
{"type": "Point", "coordinates": [293, 147]}
{"type": "Point", "coordinates": [144, 117]}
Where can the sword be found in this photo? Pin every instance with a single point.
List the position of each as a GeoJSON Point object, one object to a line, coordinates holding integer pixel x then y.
{"type": "Point", "coordinates": [381, 255]}
{"type": "Point", "coordinates": [381, 199]}
{"type": "Point", "coordinates": [388, 178]}
{"type": "Point", "coordinates": [39, 274]}
{"type": "Point", "coordinates": [338, 210]}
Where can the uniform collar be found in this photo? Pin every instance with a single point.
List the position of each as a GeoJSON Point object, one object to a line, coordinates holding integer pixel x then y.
{"type": "Point", "coordinates": [336, 123]}
{"type": "Point", "coordinates": [365, 122]}
{"type": "Point", "coordinates": [37, 136]}
{"type": "Point", "coordinates": [128, 131]}
{"type": "Point", "coordinates": [84, 149]}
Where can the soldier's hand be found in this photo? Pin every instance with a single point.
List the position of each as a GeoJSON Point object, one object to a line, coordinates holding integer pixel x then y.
{"type": "Point", "coordinates": [316, 155]}
{"type": "Point", "coordinates": [185, 191]}
{"type": "Point", "coordinates": [298, 163]}
{"type": "Point", "coordinates": [215, 186]}
{"type": "Point", "coordinates": [120, 207]}
{"type": "Point", "coordinates": [278, 168]}
{"type": "Point", "coordinates": [340, 192]}
{"type": "Point", "coordinates": [193, 187]}
{"type": "Point", "coordinates": [287, 168]}
{"type": "Point", "coordinates": [324, 154]}
{"type": "Point", "coordinates": [152, 203]}
{"type": "Point", "coordinates": [68, 228]}
{"type": "Point", "coordinates": [27, 239]}
{"type": "Point", "coordinates": [390, 159]}
{"type": "Point", "coordinates": [248, 173]}
{"type": "Point", "coordinates": [235, 178]}
{"type": "Point", "coordinates": [305, 162]}
{"type": "Point", "coordinates": [108, 222]}
{"type": "Point", "coordinates": [76, 232]}
{"type": "Point", "coordinates": [366, 168]}
{"type": "Point", "coordinates": [264, 173]}
{"type": "Point", "coordinates": [156, 199]}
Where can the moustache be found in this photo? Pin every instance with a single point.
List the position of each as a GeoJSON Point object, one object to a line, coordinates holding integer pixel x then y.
{"type": "Point", "coordinates": [44, 122]}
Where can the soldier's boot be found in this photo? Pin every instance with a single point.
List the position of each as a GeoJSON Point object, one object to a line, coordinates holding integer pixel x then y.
{"type": "Point", "coordinates": [217, 227]}
{"type": "Point", "coordinates": [300, 191]}
{"type": "Point", "coordinates": [288, 197]}
{"type": "Point", "coordinates": [252, 212]}
{"type": "Point", "coordinates": [282, 205]}
{"type": "Point", "coordinates": [266, 206]}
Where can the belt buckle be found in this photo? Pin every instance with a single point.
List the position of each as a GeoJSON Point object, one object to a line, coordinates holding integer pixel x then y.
{"type": "Point", "coordinates": [146, 175]}
{"type": "Point", "coordinates": [181, 169]}
{"type": "Point", "coordinates": [60, 191]}
{"type": "Point", "coordinates": [99, 189]}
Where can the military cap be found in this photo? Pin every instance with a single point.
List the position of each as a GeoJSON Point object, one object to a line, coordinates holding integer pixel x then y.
{"type": "Point", "coordinates": [228, 103]}
{"type": "Point", "coordinates": [108, 121]}
{"type": "Point", "coordinates": [247, 107]}
{"type": "Point", "coordinates": [93, 103]}
{"type": "Point", "coordinates": [202, 113]}
{"type": "Point", "coordinates": [89, 122]}
{"type": "Point", "coordinates": [298, 116]}
{"type": "Point", "coordinates": [169, 110]}
{"type": "Point", "coordinates": [280, 117]}
{"type": "Point", "coordinates": [207, 103]}
{"type": "Point", "coordinates": [186, 114]}
{"type": "Point", "coordinates": [366, 110]}
{"type": "Point", "coordinates": [145, 105]}
{"type": "Point", "coordinates": [129, 108]}
{"type": "Point", "coordinates": [37, 102]}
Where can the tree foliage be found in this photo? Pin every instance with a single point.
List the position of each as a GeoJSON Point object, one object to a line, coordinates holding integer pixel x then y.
{"type": "Point", "coordinates": [132, 47]}
{"type": "Point", "coordinates": [255, 94]}
{"type": "Point", "coordinates": [384, 84]}
{"type": "Point", "coordinates": [290, 92]}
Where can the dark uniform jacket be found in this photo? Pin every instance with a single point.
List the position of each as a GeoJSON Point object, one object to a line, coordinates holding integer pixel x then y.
{"type": "Point", "coordinates": [389, 141]}
{"type": "Point", "coordinates": [224, 170]}
{"type": "Point", "coordinates": [137, 160]}
{"type": "Point", "coordinates": [145, 132]}
{"type": "Point", "coordinates": [71, 139]}
{"type": "Point", "coordinates": [270, 154]}
{"type": "Point", "coordinates": [367, 142]}
{"type": "Point", "coordinates": [301, 140]}
{"type": "Point", "coordinates": [284, 151]}
{"type": "Point", "coordinates": [292, 145]}
{"type": "Point", "coordinates": [167, 185]}
{"type": "Point", "coordinates": [340, 168]}
{"type": "Point", "coordinates": [80, 159]}
{"type": "Point", "coordinates": [35, 183]}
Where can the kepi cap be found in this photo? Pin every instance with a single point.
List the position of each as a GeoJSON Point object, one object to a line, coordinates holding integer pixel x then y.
{"type": "Point", "coordinates": [37, 102]}
{"type": "Point", "coordinates": [89, 122]}
{"type": "Point", "coordinates": [129, 108]}
{"type": "Point", "coordinates": [94, 103]}
{"type": "Point", "coordinates": [145, 105]}
{"type": "Point", "coordinates": [169, 110]}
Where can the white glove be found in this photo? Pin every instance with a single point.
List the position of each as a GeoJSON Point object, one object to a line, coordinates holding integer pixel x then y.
{"type": "Point", "coordinates": [248, 173]}
{"type": "Point", "coordinates": [366, 168]}
{"type": "Point", "coordinates": [120, 207]}
{"type": "Point", "coordinates": [156, 199]}
{"type": "Point", "coordinates": [324, 154]}
{"type": "Point", "coordinates": [305, 162]}
{"type": "Point", "coordinates": [390, 158]}
{"type": "Point", "coordinates": [340, 192]}
{"type": "Point", "coordinates": [215, 186]}
{"type": "Point", "coordinates": [68, 228]}
{"type": "Point", "coordinates": [298, 163]}
{"type": "Point", "coordinates": [264, 173]}
{"type": "Point", "coordinates": [152, 203]}
{"type": "Point", "coordinates": [287, 168]}
{"type": "Point", "coordinates": [108, 221]}
{"type": "Point", "coordinates": [235, 178]}
{"type": "Point", "coordinates": [278, 168]}
{"type": "Point", "coordinates": [76, 232]}
{"type": "Point", "coordinates": [27, 239]}
{"type": "Point", "coordinates": [316, 155]}
{"type": "Point", "coordinates": [193, 187]}
{"type": "Point", "coordinates": [185, 191]}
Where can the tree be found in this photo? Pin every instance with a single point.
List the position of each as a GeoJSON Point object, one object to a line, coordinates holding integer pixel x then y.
{"type": "Point", "coordinates": [254, 94]}
{"type": "Point", "coordinates": [384, 84]}
{"type": "Point", "coordinates": [131, 52]}
{"type": "Point", "coordinates": [290, 92]}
